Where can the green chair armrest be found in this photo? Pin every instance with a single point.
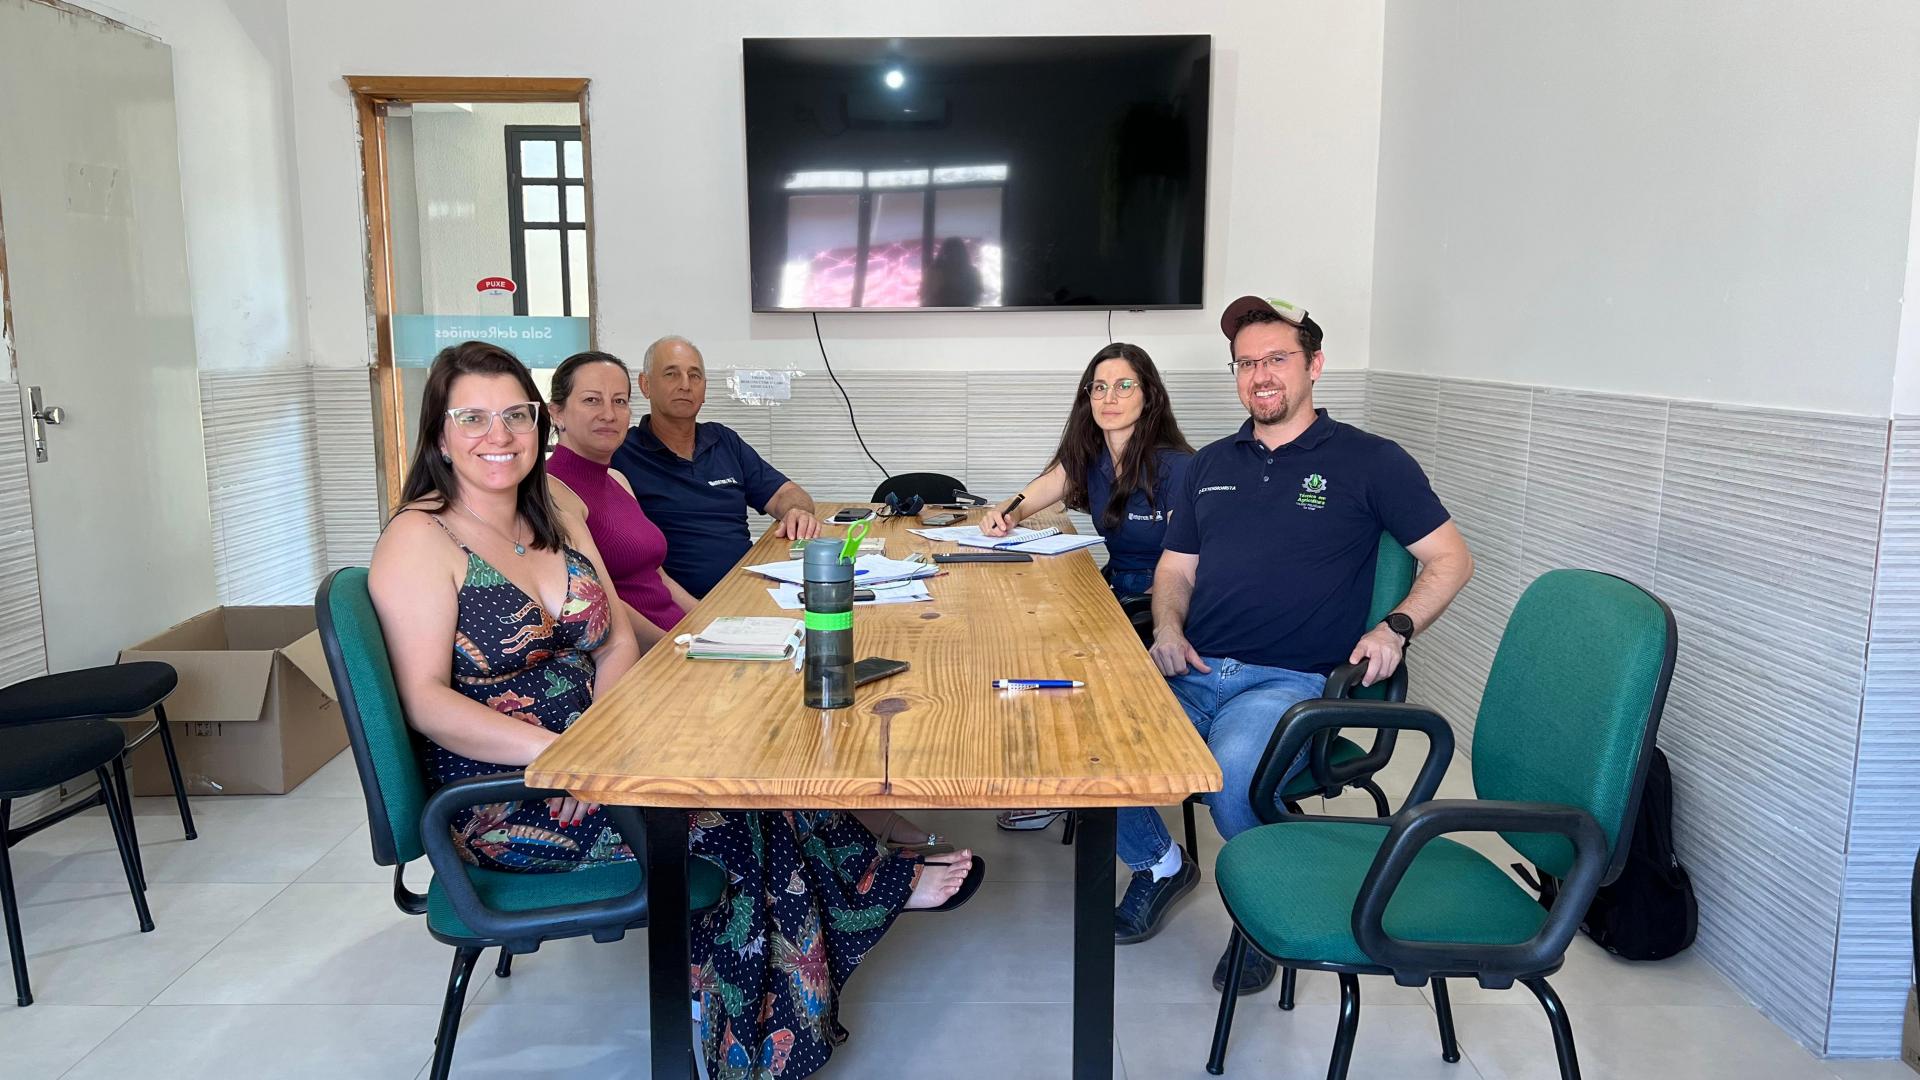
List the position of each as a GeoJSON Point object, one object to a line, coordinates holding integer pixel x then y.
{"type": "Point", "coordinates": [522, 931]}
{"type": "Point", "coordinates": [1496, 966]}
{"type": "Point", "coordinates": [1307, 719]}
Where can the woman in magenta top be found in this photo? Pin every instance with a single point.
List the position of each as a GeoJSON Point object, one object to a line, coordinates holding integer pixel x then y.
{"type": "Point", "coordinates": [590, 413]}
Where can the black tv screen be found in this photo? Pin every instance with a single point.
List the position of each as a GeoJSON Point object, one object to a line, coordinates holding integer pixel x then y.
{"type": "Point", "coordinates": [976, 173]}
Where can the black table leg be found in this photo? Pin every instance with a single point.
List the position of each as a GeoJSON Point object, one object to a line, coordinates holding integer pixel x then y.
{"type": "Point", "coordinates": [669, 1013]}
{"type": "Point", "coordinates": [1093, 855]}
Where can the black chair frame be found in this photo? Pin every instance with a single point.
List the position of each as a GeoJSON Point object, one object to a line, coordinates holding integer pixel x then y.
{"type": "Point", "coordinates": [110, 795]}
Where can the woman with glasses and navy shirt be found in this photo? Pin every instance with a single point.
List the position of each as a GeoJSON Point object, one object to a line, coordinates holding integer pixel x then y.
{"type": "Point", "coordinates": [1121, 457]}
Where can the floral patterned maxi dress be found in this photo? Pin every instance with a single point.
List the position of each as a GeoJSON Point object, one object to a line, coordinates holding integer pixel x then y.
{"type": "Point", "coordinates": [808, 894]}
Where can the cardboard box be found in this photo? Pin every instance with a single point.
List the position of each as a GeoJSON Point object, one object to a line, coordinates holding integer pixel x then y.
{"type": "Point", "coordinates": [1910, 1044]}
{"type": "Point", "coordinates": [255, 712]}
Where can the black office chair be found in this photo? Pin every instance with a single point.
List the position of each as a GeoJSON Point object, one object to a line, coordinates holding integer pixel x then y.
{"type": "Point", "coordinates": [932, 487]}
{"type": "Point", "coordinates": [113, 692]}
{"type": "Point", "coordinates": [34, 757]}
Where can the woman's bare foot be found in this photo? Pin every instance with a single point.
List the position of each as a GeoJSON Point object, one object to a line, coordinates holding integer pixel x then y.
{"type": "Point", "coordinates": [939, 880]}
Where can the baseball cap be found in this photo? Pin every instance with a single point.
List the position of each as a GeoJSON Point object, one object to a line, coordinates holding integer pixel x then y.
{"type": "Point", "coordinates": [1281, 309]}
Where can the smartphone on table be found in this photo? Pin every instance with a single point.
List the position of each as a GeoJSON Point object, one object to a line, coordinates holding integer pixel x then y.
{"type": "Point", "coordinates": [937, 520]}
{"type": "Point", "coordinates": [875, 668]}
{"type": "Point", "coordinates": [849, 515]}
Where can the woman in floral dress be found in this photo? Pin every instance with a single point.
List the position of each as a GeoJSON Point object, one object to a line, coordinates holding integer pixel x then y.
{"type": "Point", "coordinates": [479, 556]}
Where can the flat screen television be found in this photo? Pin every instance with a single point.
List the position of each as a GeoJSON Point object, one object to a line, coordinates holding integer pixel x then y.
{"type": "Point", "coordinates": [979, 173]}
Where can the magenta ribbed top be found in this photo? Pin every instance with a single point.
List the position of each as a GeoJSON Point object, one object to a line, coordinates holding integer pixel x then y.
{"type": "Point", "coordinates": [630, 544]}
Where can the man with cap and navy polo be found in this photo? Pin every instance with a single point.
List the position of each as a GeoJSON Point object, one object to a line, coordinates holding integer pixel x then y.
{"type": "Point", "coordinates": [1266, 581]}
{"type": "Point", "coordinates": [696, 481]}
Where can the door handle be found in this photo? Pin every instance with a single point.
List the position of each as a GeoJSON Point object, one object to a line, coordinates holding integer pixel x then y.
{"type": "Point", "coordinates": [42, 416]}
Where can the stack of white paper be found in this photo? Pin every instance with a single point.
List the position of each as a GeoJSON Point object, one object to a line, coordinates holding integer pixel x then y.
{"type": "Point", "coordinates": [1032, 541]}
{"type": "Point", "coordinates": [867, 570]}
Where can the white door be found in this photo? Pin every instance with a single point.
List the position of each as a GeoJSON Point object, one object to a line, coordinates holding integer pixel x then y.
{"type": "Point", "coordinates": [96, 267]}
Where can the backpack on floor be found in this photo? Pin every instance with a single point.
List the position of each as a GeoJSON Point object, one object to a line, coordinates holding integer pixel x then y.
{"type": "Point", "coordinates": [1649, 912]}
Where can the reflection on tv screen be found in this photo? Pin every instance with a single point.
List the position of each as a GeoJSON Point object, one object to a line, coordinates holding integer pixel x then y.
{"type": "Point", "coordinates": [902, 174]}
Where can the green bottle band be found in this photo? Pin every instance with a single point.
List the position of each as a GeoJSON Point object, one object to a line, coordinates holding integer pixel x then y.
{"type": "Point", "coordinates": [829, 620]}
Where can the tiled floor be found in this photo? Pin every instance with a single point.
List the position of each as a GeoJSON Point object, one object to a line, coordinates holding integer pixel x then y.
{"type": "Point", "coordinates": [279, 953]}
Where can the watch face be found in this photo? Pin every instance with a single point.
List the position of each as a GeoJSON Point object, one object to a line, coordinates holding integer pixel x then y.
{"type": "Point", "coordinates": [1400, 624]}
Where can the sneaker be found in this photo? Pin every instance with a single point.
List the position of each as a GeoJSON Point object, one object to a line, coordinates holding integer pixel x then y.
{"type": "Point", "coordinates": [1027, 820]}
{"type": "Point", "coordinates": [1256, 973]}
{"type": "Point", "coordinates": [1144, 907]}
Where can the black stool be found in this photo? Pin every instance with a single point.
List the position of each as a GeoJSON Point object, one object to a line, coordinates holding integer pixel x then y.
{"type": "Point", "coordinates": [114, 692]}
{"type": "Point", "coordinates": [34, 757]}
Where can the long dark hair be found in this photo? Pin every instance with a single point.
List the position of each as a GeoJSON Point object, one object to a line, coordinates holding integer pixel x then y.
{"type": "Point", "coordinates": [1082, 441]}
{"type": "Point", "coordinates": [429, 477]}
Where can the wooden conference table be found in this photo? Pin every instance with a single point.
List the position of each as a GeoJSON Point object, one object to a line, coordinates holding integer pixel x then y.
{"type": "Point", "coordinates": [676, 734]}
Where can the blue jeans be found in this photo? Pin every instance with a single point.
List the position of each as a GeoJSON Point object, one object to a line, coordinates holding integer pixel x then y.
{"type": "Point", "coordinates": [1236, 706]}
{"type": "Point", "coordinates": [1130, 581]}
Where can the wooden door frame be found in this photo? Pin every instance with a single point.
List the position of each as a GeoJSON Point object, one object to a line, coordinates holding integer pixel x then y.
{"type": "Point", "coordinates": [372, 94]}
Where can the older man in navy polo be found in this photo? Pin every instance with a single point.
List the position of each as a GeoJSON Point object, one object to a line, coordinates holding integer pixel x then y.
{"type": "Point", "coordinates": [697, 480]}
{"type": "Point", "coordinates": [1266, 581]}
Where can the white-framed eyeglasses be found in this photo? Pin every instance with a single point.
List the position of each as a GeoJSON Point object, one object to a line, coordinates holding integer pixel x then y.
{"type": "Point", "coordinates": [476, 423]}
{"type": "Point", "coordinates": [1276, 360]}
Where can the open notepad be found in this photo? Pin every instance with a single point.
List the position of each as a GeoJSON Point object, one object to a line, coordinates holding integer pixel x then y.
{"type": "Point", "coordinates": [1031, 541]}
{"type": "Point", "coordinates": [742, 638]}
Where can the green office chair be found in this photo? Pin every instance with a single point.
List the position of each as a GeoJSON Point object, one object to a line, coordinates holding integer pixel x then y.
{"type": "Point", "coordinates": [1336, 763]}
{"type": "Point", "coordinates": [466, 907]}
{"type": "Point", "coordinates": [1560, 750]}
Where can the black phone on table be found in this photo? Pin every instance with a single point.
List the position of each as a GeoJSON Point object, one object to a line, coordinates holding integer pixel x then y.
{"type": "Point", "coordinates": [849, 515]}
{"type": "Point", "coordinates": [938, 520]}
{"type": "Point", "coordinates": [875, 668]}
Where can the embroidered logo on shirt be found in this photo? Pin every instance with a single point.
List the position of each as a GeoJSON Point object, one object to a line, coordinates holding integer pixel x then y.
{"type": "Point", "coordinates": [1155, 516]}
{"type": "Point", "coordinates": [1313, 492]}
{"type": "Point", "coordinates": [724, 481]}
{"type": "Point", "coordinates": [1218, 487]}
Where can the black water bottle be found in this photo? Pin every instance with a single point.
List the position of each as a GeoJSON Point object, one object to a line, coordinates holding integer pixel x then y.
{"type": "Point", "coordinates": [829, 619]}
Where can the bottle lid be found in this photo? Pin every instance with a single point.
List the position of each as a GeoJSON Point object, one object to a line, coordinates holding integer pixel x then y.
{"type": "Point", "coordinates": [823, 562]}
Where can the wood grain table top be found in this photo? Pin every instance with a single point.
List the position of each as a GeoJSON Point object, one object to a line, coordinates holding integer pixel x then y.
{"type": "Point", "coordinates": [725, 734]}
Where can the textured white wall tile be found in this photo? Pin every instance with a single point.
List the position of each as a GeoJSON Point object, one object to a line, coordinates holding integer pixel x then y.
{"type": "Point", "coordinates": [263, 479]}
{"type": "Point", "coordinates": [23, 646]}
{"type": "Point", "coordinates": [1768, 528]}
{"type": "Point", "coordinates": [349, 470]}
{"type": "Point", "coordinates": [1874, 963]}
{"type": "Point", "coordinates": [1594, 465]}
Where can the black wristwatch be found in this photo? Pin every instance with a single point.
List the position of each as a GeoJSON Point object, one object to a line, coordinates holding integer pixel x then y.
{"type": "Point", "coordinates": [1401, 623]}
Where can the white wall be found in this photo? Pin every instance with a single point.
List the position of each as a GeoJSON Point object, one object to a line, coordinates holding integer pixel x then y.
{"type": "Point", "coordinates": [230, 64]}
{"type": "Point", "coordinates": [1906, 365]}
{"type": "Point", "coordinates": [1644, 197]}
{"type": "Point", "coordinates": [1294, 137]}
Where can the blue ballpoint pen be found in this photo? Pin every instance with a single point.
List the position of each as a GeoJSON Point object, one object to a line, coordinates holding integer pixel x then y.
{"type": "Point", "coordinates": [1037, 684]}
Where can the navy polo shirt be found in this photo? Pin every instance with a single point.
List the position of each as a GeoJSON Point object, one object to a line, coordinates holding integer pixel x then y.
{"type": "Point", "coordinates": [1134, 545]}
{"type": "Point", "coordinates": [1288, 538]}
{"type": "Point", "coordinates": [701, 505]}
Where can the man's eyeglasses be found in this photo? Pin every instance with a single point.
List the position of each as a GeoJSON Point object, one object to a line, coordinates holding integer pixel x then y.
{"type": "Point", "coordinates": [896, 507]}
{"type": "Point", "coordinates": [1122, 390]}
{"type": "Point", "coordinates": [1275, 360]}
{"type": "Point", "coordinates": [476, 423]}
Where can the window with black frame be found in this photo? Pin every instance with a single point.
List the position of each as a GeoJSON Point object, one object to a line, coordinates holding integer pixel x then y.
{"type": "Point", "coordinates": [547, 219]}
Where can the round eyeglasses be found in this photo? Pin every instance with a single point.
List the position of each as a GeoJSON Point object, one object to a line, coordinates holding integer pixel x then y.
{"type": "Point", "coordinates": [1123, 389]}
